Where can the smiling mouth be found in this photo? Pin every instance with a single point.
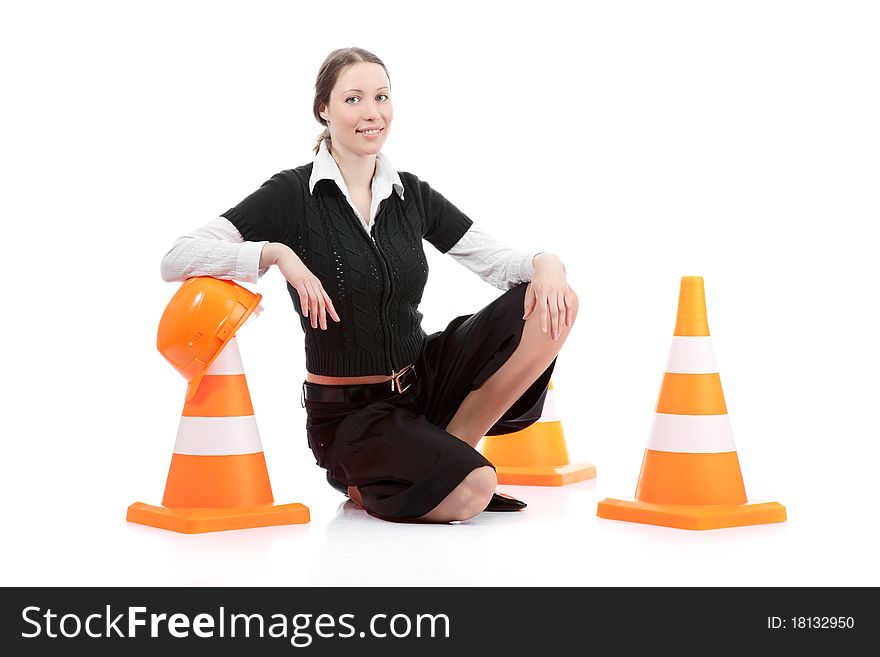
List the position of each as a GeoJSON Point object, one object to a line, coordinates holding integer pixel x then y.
{"type": "Point", "coordinates": [371, 131]}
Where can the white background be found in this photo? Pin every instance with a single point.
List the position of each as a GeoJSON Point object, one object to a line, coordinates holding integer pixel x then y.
{"type": "Point", "coordinates": [641, 141]}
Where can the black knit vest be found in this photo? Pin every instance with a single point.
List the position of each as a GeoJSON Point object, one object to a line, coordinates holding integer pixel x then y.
{"type": "Point", "coordinates": [375, 280]}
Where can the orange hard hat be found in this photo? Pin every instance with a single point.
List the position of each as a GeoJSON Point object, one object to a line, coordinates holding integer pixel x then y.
{"type": "Point", "coordinates": [200, 319]}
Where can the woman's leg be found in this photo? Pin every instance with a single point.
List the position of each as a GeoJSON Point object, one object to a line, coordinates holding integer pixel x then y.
{"type": "Point", "coordinates": [484, 406]}
{"type": "Point", "coordinates": [465, 501]}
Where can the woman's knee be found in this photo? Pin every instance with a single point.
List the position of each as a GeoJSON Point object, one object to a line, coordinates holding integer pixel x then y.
{"type": "Point", "coordinates": [475, 491]}
{"type": "Point", "coordinates": [467, 499]}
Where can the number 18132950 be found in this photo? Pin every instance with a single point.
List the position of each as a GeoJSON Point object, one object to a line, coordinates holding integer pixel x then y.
{"type": "Point", "coordinates": [810, 623]}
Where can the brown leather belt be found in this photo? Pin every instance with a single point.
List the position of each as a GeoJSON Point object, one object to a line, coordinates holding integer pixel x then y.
{"type": "Point", "coordinates": [400, 383]}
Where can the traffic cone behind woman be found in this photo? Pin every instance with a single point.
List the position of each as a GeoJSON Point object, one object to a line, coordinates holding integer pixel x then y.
{"type": "Point", "coordinates": [218, 478]}
{"type": "Point", "coordinates": [536, 455]}
{"type": "Point", "coordinates": [690, 477]}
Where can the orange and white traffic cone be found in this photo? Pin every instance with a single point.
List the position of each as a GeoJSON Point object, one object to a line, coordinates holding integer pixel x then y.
{"type": "Point", "coordinates": [218, 478]}
{"type": "Point", "coordinates": [690, 477]}
{"type": "Point", "coordinates": [536, 455]}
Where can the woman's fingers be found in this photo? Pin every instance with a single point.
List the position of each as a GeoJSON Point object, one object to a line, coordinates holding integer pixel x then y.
{"type": "Point", "coordinates": [322, 306]}
{"type": "Point", "coordinates": [553, 303]}
{"type": "Point", "coordinates": [563, 313]}
{"type": "Point", "coordinates": [537, 299]}
{"type": "Point", "coordinates": [330, 307]}
{"type": "Point", "coordinates": [303, 300]}
{"type": "Point", "coordinates": [544, 315]}
{"type": "Point", "coordinates": [319, 301]}
{"type": "Point", "coordinates": [318, 304]}
{"type": "Point", "coordinates": [313, 306]}
{"type": "Point", "coordinates": [314, 301]}
{"type": "Point", "coordinates": [529, 305]}
{"type": "Point", "coordinates": [555, 311]}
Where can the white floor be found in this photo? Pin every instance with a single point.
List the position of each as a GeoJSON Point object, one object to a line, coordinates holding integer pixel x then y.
{"type": "Point", "coordinates": [67, 527]}
{"type": "Point", "coordinates": [96, 434]}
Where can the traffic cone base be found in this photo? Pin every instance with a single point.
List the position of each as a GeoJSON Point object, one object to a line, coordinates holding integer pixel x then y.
{"type": "Point", "coordinates": [536, 455]}
{"type": "Point", "coordinates": [687, 516]}
{"type": "Point", "coordinates": [562, 475]}
{"type": "Point", "coordinates": [198, 521]}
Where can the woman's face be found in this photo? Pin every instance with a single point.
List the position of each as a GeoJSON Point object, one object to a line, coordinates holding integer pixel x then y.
{"type": "Point", "coordinates": [360, 100]}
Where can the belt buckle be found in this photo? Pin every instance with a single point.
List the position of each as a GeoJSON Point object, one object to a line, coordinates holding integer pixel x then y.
{"type": "Point", "coordinates": [395, 379]}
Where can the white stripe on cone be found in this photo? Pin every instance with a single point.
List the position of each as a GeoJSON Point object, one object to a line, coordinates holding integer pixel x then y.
{"type": "Point", "coordinates": [228, 361]}
{"type": "Point", "coordinates": [698, 434]}
{"type": "Point", "coordinates": [549, 412]}
{"type": "Point", "coordinates": [218, 436]}
{"type": "Point", "coordinates": [692, 355]}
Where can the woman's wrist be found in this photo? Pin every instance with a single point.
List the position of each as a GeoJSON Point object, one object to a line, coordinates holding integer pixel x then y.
{"type": "Point", "coordinates": [271, 253]}
{"type": "Point", "coordinates": [545, 259]}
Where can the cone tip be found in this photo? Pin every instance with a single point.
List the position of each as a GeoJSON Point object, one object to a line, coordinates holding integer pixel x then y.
{"type": "Point", "coordinates": [691, 319]}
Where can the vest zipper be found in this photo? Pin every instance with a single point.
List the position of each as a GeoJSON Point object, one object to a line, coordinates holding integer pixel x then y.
{"type": "Point", "coordinates": [386, 272]}
{"type": "Point", "coordinates": [387, 268]}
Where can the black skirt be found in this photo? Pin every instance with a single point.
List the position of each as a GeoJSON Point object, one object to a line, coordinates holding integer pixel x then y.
{"type": "Point", "coordinates": [395, 449]}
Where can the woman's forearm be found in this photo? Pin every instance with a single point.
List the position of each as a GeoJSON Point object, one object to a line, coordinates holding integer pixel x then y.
{"type": "Point", "coordinates": [214, 249]}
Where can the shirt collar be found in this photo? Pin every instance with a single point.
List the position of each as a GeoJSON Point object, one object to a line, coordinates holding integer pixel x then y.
{"type": "Point", "coordinates": [385, 180]}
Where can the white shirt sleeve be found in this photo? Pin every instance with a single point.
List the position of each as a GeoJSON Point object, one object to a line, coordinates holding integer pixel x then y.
{"type": "Point", "coordinates": [216, 249]}
{"type": "Point", "coordinates": [501, 266]}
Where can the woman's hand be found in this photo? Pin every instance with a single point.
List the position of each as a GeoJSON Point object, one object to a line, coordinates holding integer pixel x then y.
{"type": "Point", "coordinates": [551, 294]}
{"type": "Point", "coordinates": [313, 300]}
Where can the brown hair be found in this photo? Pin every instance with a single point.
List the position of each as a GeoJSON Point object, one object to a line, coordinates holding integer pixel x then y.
{"type": "Point", "coordinates": [329, 72]}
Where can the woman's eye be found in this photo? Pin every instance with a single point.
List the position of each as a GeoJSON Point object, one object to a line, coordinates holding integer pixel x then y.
{"type": "Point", "coordinates": [353, 97]}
